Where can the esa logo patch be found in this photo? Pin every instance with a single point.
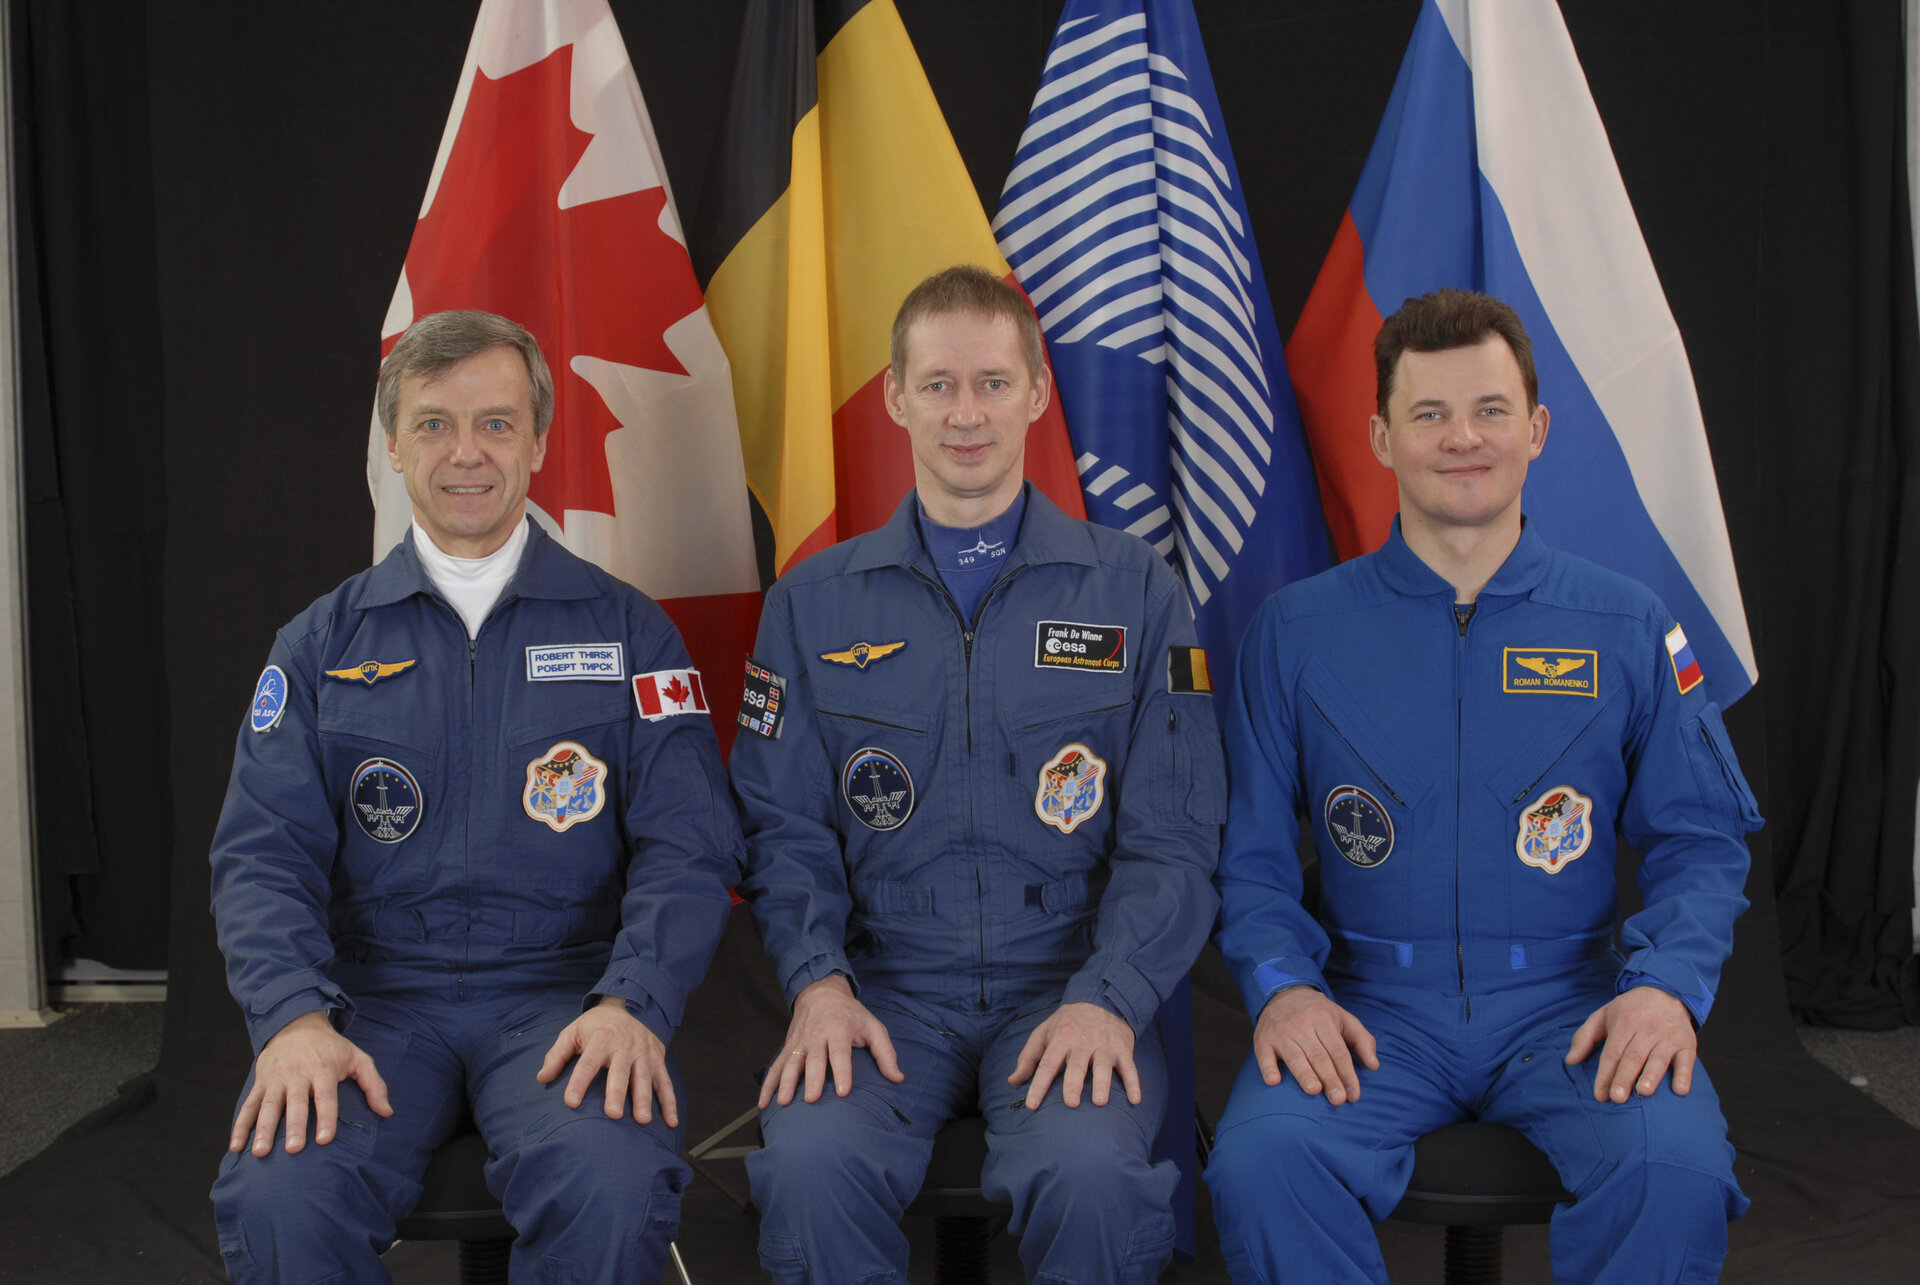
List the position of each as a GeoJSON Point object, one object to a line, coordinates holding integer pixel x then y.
{"type": "Point", "coordinates": [1359, 827]}
{"type": "Point", "coordinates": [372, 671]}
{"type": "Point", "coordinates": [762, 698]}
{"type": "Point", "coordinates": [1073, 783]}
{"type": "Point", "coordinates": [1555, 829]}
{"type": "Point", "coordinates": [386, 800]}
{"type": "Point", "coordinates": [269, 700]}
{"type": "Point", "coordinates": [564, 786]}
{"type": "Point", "coordinates": [1553, 671]}
{"type": "Point", "coordinates": [877, 788]}
{"type": "Point", "coordinates": [1067, 644]}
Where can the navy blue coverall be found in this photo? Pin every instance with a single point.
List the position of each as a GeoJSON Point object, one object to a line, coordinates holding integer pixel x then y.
{"type": "Point", "coordinates": [1465, 779]}
{"type": "Point", "coordinates": [976, 825]}
{"type": "Point", "coordinates": [454, 846]}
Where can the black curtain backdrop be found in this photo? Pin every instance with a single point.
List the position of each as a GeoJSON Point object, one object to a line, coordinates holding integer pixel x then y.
{"type": "Point", "coordinates": [93, 454]}
{"type": "Point", "coordinates": [212, 254]}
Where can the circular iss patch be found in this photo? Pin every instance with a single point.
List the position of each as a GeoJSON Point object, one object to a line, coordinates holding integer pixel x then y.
{"type": "Point", "coordinates": [386, 800]}
{"type": "Point", "coordinates": [878, 789]}
{"type": "Point", "coordinates": [1358, 826]}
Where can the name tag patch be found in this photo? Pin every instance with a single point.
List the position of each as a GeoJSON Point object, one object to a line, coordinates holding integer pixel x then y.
{"type": "Point", "coordinates": [761, 702]}
{"type": "Point", "coordinates": [601, 662]}
{"type": "Point", "coordinates": [666, 692]}
{"type": "Point", "coordinates": [1067, 644]}
{"type": "Point", "coordinates": [1551, 671]}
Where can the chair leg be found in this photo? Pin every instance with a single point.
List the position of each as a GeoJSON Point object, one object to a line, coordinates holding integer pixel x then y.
{"type": "Point", "coordinates": [961, 1248]}
{"type": "Point", "coordinates": [484, 1262]}
{"type": "Point", "coordinates": [1473, 1255]}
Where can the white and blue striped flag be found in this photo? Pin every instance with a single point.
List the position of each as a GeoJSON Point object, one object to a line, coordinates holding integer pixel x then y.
{"type": "Point", "coordinates": [1124, 221]}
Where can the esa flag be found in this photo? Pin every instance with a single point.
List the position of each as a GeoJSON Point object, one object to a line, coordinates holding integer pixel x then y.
{"type": "Point", "coordinates": [1492, 171]}
{"type": "Point", "coordinates": [1125, 223]}
{"type": "Point", "coordinates": [835, 190]}
{"type": "Point", "coordinates": [548, 204]}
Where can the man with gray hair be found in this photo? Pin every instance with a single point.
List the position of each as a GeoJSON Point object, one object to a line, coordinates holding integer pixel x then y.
{"type": "Point", "coordinates": [472, 839]}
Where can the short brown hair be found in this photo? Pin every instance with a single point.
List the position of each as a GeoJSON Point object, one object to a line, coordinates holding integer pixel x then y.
{"type": "Point", "coordinates": [966, 288]}
{"type": "Point", "coordinates": [1444, 319]}
{"type": "Point", "coordinates": [438, 342]}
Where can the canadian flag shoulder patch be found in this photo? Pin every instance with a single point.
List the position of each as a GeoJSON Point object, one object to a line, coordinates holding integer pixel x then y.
{"type": "Point", "coordinates": [666, 692]}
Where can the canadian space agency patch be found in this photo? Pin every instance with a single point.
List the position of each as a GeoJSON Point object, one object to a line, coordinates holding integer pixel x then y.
{"type": "Point", "coordinates": [386, 800]}
{"type": "Point", "coordinates": [269, 700]}
{"type": "Point", "coordinates": [1359, 827]}
{"type": "Point", "coordinates": [564, 786]}
{"type": "Point", "coordinates": [1555, 829]}
{"type": "Point", "coordinates": [877, 788]}
{"type": "Point", "coordinates": [1073, 783]}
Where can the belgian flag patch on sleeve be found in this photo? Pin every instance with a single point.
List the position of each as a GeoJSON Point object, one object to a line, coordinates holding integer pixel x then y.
{"type": "Point", "coordinates": [1187, 670]}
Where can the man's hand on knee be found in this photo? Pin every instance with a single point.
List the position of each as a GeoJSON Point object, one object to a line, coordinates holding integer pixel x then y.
{"type": "Point", "coordinates": [828, 1025]}
{"type": "Point", "coordinates": [608, 1037]}
{"type": "Point", "coordinates": [1079, 1038]}
{"type": "Point", "coordinates": [304, 1062]}
{"type": "Point", "coordinates": [1646, 1032]}
{"type": "Point", "coordinates": [1311, 1034]}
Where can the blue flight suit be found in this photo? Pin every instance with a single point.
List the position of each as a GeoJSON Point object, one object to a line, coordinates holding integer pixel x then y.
{"type": "Point", "coordinates": [454, 847]}
{"type": "Point", "coordinates": [1465, 779]}
{"type": "Point", "coordinates": [976, 826]}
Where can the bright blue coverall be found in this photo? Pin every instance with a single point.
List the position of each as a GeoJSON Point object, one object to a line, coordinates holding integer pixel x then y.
{"type": "Point", "coordinates": [1465, 780]}
{"type": "Point", "coordinates": [976, 826]}
{"type": "Point", "coordinates": [455, 846]}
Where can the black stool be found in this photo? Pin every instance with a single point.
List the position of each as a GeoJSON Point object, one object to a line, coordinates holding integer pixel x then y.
{"type": "Point", "coordinates": [1474, 1179]}
{"type": "Point", "coordinates": [456, 1205]}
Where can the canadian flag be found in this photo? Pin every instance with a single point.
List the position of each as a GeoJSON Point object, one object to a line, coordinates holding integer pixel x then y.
{"type": "Point", "coordinates": [667, 692]}
{"type": "Point", "coordinates": [548, 204]}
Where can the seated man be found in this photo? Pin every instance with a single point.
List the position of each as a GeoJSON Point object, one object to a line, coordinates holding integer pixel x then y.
{"type": "Point", "coordinates": [981, 784]}
{"type": "Point", "coordinates": [456, 857]}
{"type": "Point", "coordinates": [1467, 717]}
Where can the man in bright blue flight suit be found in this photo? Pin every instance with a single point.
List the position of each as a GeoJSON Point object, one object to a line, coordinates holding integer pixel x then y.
{"type": "Point", "coordinates": [1466, 717]}
{"type": "Point", "coordinates": [477, 830]}
{"type": "Point", "coordinates": [982, 789]}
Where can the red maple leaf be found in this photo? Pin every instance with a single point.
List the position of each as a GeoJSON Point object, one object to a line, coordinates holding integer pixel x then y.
{"type": "Point", "coordinates": [676, 691]}
{"type": "Point", "coordinates": [597, 280]}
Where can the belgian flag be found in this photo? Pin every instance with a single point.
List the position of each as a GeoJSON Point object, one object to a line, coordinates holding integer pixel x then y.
{"type": "Point", "coordinates": [837, 188]}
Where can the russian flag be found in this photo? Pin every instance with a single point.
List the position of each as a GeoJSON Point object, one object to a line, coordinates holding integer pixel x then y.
{"type": "Point", "coordinates": [1492, 172]}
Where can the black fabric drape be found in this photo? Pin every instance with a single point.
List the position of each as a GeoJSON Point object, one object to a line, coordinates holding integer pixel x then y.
{"type": "Point", "coordinates": [93, 446]}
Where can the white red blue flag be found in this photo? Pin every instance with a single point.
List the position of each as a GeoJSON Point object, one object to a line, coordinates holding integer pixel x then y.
{"type": "Point", "coordinates": [1124, 221]}
{"type": "Point", "coordinates": [548, 204]}
{"type": "Point", "coordinates": [1492, 171]}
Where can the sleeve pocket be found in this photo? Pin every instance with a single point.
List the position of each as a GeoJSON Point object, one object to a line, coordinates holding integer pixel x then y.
{"type": "Point", "coordinates": [1717, 771]}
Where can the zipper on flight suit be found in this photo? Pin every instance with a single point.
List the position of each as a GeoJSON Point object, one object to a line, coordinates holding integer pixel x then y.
{"type": "Point", "coordinates": [966, 646]}
{"type": "Point", "coordinates": [1462, 617]}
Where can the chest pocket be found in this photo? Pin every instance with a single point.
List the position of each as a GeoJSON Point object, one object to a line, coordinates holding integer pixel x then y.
{"type": "Point", "coordinates": [371, 860]}
{"type": "Point", "coordinates": [1556, 751]}
{"type": "Point", "coordinates": [1358, 747]}
{"type": "Point", "coordinates": [848, 726]}
{"type": "Point", "coordinates": [1066, 765]}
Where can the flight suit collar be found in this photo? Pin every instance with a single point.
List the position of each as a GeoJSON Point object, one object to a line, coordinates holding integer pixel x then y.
{"type": "Point", "coordinates": [545, 571]}
{"type": "Point", "coordinates": [1046, 535]}
{"type": "Point", "coordinates": [1405, 573]}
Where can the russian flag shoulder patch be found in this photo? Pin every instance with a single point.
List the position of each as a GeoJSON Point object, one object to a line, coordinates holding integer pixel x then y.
{"type": "Point", "coordinates": [1686, 670]}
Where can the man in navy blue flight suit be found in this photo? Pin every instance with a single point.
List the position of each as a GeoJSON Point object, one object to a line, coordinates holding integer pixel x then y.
{"type": "Point", "coordinates": [460, 853]}
{"type": "Point", "coordinates": [982, 789]}
{"type": "Point", "coordinates": [1467, 718]}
